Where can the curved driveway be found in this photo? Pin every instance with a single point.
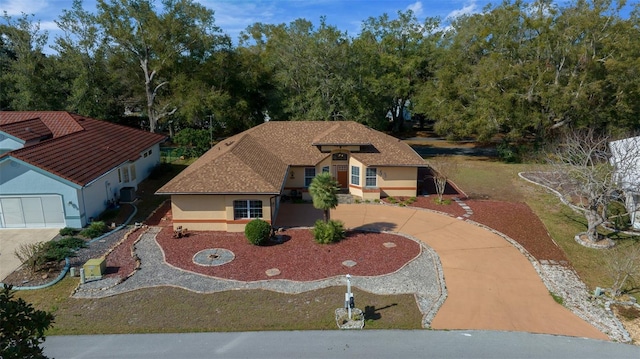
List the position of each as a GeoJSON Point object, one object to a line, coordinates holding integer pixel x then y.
{"type": "Point", "coordinates": [491, 285]}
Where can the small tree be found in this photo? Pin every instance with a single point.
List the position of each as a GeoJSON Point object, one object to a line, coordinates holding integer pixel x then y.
{"type": "Point", "coordinates": [442, 168]}
{"type": "Point", "coordinates": [588, 175]}
{"type": "Point", "coordinates": [21, 327]}
{"type": "Point", "coordinates": [623, 267]}
{"type": "Point", "coordinates": [323, 190]}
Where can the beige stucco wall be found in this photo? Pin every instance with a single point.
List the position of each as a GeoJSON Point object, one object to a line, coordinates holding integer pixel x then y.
{"type": "Point", "coordinates": [391, 181]}
{"type": "Point", "coordinates": [213, 212]}
{"type": "Point", "coordinates": [397, 181]}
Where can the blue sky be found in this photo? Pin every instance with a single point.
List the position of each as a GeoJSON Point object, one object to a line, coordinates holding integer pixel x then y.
{"type": "Point", "coordinates": [233, 16]}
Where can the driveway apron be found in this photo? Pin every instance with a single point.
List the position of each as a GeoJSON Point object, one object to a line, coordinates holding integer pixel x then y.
{"type": "Point", "coordinates": [491, 285]}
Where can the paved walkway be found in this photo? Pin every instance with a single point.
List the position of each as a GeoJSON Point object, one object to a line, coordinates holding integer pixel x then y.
{"type": "Point", "coordinates": [490, 284]}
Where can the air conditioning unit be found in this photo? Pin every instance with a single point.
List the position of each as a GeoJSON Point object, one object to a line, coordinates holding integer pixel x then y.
{"type": "Point", "coordinates": [127, 194]}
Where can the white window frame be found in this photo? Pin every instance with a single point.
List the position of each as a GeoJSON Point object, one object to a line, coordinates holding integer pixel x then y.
{"type": "Point", "coordinates": [309, 175]}
{"type": "Point", "coordinates": [355, 176]}
{"type": "Point", "coordinates": [132, 170]}
{"type": "Point", "coordinates": [253, 208]}
{"type": "Point", "coordinates": [371, 177]}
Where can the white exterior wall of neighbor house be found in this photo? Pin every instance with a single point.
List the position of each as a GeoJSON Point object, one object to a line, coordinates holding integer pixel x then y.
{"type": "Point", "coordinates": [101, 192]}
{"type": "Point", "coordinates": [626, 156]}
{"type": "Point", "coordinates": [21, 180]}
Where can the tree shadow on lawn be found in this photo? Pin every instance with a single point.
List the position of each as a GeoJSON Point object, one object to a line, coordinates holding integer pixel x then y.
{"type": "Point", "coordinates": [371, 313]}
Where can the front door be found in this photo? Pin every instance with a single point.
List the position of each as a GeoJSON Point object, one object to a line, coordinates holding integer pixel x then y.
{"type": "Point", "coordinates": [342, 176]}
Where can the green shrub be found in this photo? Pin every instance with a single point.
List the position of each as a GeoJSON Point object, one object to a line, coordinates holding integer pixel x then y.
{"type": "Point", "coordinates": [257, 232]}
{"type": "Point", "coordinates": [377, 200]}
{"type": "Point", "coordinates": [54, 252]}
{"type": "Point", "coordinates": [68, 231]}
{"type": "Point", "coordinates": [94, 230]}
{"type": "Point", "coordinates": [392, 199]}
{"type": "Point", "coordinates": [72, 242]}
{"type": "Point", "coordinates": [328, 232]}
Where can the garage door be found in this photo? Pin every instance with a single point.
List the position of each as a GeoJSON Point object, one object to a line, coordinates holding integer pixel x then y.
{"type": "Point", "coordinates": [31, 212]}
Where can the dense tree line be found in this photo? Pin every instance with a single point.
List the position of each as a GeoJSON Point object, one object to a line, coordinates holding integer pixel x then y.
{"type": "Point", "coordinates": [520, 70]}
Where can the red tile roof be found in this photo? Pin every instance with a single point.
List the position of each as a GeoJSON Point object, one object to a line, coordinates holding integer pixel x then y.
{"type": "Point", "coordinates": [256, 161]}
{"type": "Point", "coordinates": [28, 130]}
{"type": "Point", "coordinates": [83, 148]}
{"type": "Point", "coordinates": [60, 123]}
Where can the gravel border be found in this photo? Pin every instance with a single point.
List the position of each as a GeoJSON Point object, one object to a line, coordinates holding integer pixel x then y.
{"type": "Point", "coordinates": [423, 277]}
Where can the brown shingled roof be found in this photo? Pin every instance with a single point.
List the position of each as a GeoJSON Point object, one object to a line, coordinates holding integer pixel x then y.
{"type": "Point", "coordinates": [256, 161]}
{"type": "Point", "coordinates": [344, 133]}
{"type": "Point", "coordinates": [88, 150]}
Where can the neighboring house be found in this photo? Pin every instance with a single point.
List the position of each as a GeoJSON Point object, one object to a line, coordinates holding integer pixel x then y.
{"type": "Point", "coordinates": [59, 169]}
{"type": "Point", "coordinates": [247, 175]}
{"type": "Point", "coordinates": [626, 159]}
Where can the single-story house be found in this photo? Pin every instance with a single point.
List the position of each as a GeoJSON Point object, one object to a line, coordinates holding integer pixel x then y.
{"type": "Point", "coordinates": [59, 169]}
{"type": "Point", "coordinates": [626, 159]}
{"type": "Point", "coordinates": [247, 175]}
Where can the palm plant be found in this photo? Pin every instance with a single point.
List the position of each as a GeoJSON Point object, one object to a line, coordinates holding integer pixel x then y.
{"type": "Point", "coordinates": [323, 190]}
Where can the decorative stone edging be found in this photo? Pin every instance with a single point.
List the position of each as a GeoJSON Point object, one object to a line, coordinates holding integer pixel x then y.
{"type": "Point", "coordinates": [609, 243]}
{"type": "Point", "coordinates": [343, 323]}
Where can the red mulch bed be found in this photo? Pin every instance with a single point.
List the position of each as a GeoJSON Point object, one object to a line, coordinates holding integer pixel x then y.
{"type": "Point", "coordinates": [120, 262]}
{"type": "Point", "coordinates": [299, 258]}
{"type": "Point", "coordinates": [518, 221]}
{"type": "Point", "coordinates": [161, 217]}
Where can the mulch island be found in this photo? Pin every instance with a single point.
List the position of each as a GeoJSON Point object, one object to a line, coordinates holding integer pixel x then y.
{"type": "Point", "coordinates": [297, 258]}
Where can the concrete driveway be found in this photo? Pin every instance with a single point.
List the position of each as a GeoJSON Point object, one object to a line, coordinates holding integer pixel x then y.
{"type": "Point", "coordinates": [11, 239]}
{"type": "Point", "coordinates": [490, 284]}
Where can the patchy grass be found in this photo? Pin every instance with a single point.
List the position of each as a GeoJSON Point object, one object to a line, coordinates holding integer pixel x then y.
{"type": "Point", "coordinates": [558, 299]}
{"type": "Point", "coordinates": [174, 310]}
{"type": "Point", "coordinates": [490, 179]}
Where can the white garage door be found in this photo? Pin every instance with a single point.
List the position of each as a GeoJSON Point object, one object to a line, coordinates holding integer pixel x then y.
{"type": "Point", "coordinates": [31, 212]}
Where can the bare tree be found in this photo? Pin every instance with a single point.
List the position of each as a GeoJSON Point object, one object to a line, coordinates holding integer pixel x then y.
{"type": "Point", "coordinates": [623, 267]}
{"type": "Point", "coordinates": [443, 168]}
{"type": "Point", "coordinates": [589, 175]}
